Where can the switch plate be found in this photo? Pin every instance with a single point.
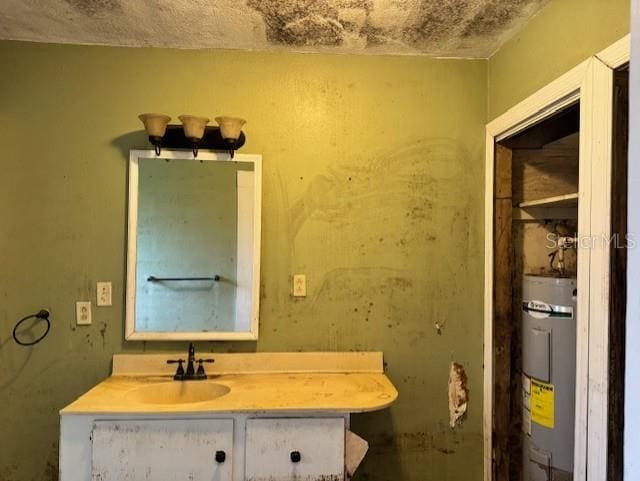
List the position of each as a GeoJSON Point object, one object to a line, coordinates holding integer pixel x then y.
{"type": "Point", "coordinates": [103, 294]}
{"type": "Point", "coordinates": [299, 285]}
{"type": "Point", "coordinates": [83, 313]}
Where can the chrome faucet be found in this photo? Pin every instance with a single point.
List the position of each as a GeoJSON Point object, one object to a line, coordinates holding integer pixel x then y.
{"type": "Point", "coordinates": [191, 374]}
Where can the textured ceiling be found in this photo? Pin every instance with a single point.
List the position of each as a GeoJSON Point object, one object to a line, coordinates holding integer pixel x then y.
{"type": "Point", "coordinates": [444, 28]}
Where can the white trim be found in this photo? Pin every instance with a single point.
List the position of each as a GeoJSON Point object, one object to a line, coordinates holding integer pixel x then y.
{"type": "Point", "coordinates": [257, 242]}
{"type": "Point", "coordinates": [132, 223]}
{"type": "Point", "coordinates": [546, 101]}
{"type": "Point", "coordinates": [487, 407]}
{"type": "Point", "coordinates": [580, 460]}
{"type": "Point", "coordinates": [244, 264]}
{"type": "Point", "coordinates": [253, 322]}
{"type": "Point", "coordinates": [616, 55]}
{"type": "Point", "coordinates": [591, 83]}
{"type": "Point", "coordinates": [189, 336]}
{"type": "Point", "coordinates": [598, 154]}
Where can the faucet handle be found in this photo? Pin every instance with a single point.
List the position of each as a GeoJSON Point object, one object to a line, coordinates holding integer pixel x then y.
{"type": "Point", "coordinates": [180, 371]}
{"type": "Point", "coordinates": [200, 372]}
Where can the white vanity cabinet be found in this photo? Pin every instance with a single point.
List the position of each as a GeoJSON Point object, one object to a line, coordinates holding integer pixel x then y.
{"type": "Point", "coordinates": [257, 417]}
{"type": "Point", "coordinates": [223, 447]}
{"type": "Point", "coordinates": [297, 448]}
{"type": "Point", "coordinates": [162, 450]}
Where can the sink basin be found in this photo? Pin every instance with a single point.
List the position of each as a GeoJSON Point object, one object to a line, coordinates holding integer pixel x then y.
{"type": "Point", "coordinates": [177, 392]}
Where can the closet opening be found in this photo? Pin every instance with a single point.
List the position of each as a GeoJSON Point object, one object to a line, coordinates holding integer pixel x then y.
{"type": "Point", "coordinates": [536, 199]}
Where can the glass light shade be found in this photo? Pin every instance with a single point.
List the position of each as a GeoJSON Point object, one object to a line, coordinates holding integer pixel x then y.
{"type": "Point", "coordinates": [193, 126]}
{"type": "Point", "coordinates": [155, 124]}
{"type": "Point", "coordinates": [230, 127]}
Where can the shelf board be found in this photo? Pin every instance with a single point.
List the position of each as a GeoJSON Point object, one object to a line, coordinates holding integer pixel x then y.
{"type": "Point", "coordinates": [538, 214]}
{"type": "Point", "coordinates": [567, 200]}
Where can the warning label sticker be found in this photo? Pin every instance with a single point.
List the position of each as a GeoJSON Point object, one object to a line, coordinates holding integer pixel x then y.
{"type": "Point", "coordinates": [542, 403]}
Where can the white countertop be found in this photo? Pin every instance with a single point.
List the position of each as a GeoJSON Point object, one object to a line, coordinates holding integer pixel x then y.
{"type": "Point", "coordinates": [293, 382]}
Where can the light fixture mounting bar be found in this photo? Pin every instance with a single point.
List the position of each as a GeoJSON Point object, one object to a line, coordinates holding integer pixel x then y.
{"type": "Point", "coordinates": [174, 138]}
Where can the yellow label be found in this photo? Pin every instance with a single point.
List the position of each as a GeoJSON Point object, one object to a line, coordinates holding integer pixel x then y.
{"type": "Point", "coordinates": [542, 401]}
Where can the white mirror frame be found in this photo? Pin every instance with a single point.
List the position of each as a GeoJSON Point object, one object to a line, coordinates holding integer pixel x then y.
{"type": "Point", "coordinates": [248, 280]}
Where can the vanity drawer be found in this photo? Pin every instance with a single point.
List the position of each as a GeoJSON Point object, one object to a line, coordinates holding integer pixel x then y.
{"type": "Point", "coordinates": [162, 450]}
{"type": "Point", "coordinates": [295, 448]}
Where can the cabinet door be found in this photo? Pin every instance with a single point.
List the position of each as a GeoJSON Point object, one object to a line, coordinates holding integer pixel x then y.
{"type": "Point", "coordinates": [286, 449]}
{"type": "Point", "coordinates": [162, 450]}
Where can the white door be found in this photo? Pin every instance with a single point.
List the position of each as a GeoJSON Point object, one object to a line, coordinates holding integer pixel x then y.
{"type": "Point", "coordinates": [289, 449]}
{"type": "Point", "coordinates": [162, 450]}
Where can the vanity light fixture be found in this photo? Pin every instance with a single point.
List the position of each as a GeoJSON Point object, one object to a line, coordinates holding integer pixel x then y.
{"type": "Point", "coordinates": [230, 130]}
{"type": "Point", "coordinates": [194, 133]}
{"type": "Point", "coordinates": [156, 127]}
{"type": "Point", "coordinates": [193, 130]}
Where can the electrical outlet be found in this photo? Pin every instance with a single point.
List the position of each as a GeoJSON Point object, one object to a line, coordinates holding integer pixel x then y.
{"type": "Point", "coordinates": [83, 313]}
{"type": "Point", "coordinates": [299, 285]}
{"type": "Point", "coordinates": [103, 294]}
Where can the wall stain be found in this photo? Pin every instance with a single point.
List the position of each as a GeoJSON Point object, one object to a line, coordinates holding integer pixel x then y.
{"type": "Point", "coordinates": [417, 441]}
{"type": "Point", "coordinates": [92, 8]}
{"type": "Point", "coordinates": [51, 471]}
{"type": "Point", "coordinates": [103, 331]}
{"type": "Point", "coordinates": [389, 211]}
{"type": "Point", "coordinates": [399, 181]}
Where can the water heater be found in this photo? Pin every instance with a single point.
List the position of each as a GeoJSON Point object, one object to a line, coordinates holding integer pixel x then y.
{"type": "Point", "coordinates": [549, 377]}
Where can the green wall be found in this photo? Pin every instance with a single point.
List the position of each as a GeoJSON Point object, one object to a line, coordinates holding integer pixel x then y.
{"type": "Point", "coordinates": [372, 187]}
{"type": "Point", "coordinates": [562, 35]}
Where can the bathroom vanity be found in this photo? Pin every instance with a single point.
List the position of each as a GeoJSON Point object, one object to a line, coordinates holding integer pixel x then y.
{"type": "Point", "coordinates": [262, 416]}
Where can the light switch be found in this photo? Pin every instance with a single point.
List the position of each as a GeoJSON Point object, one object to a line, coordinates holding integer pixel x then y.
{"type": "Point", "coordinates": [103, 294]}
{"type": "Point", "coordinates": [299, 285]}
{"type": "Point", "coordinates": [83, 313]}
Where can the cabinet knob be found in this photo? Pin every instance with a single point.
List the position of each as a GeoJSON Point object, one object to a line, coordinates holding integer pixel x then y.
{"type": "Point", "coordinates": [295, 456]}
{"type": "Point", "coordinates": [221, 456]}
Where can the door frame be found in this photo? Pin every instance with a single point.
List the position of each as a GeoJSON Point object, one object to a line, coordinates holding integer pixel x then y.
{"type": "Point", "coordinates": [591, 83]}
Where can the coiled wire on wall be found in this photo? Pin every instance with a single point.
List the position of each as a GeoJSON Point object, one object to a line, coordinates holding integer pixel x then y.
{"type": "Point", "coordinates": [42, 315]}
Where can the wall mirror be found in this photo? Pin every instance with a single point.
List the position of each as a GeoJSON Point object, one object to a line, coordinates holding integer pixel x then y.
{"type": "Point", "coordinates": [193, 260]}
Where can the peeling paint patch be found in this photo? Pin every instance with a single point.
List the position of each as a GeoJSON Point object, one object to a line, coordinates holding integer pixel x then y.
{"type": "Point", "coordinates": [458, 394]}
